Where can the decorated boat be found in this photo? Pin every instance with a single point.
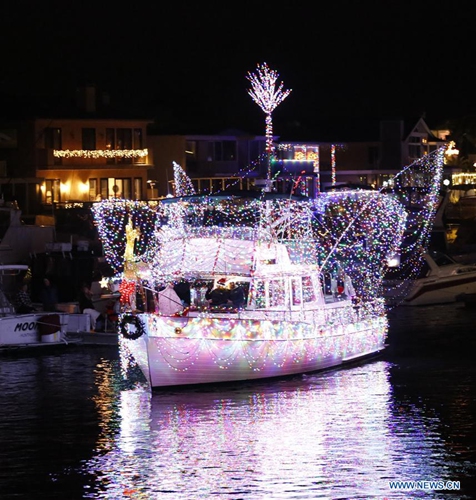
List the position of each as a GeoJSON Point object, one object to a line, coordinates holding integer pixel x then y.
{"type": "Point", "coordinates": [307, 303]}
{"type": "Point", "coordinates": [278, 285]}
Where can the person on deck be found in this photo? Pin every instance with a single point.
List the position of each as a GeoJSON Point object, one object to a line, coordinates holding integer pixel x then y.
{"type": "Point", "coordinates": [182, 289]}
{"type": "Point", "coordinates": [220, 295]}
{"type": "Point", "coordinates": [23, 304]}
{"type": "Point", "coordinates": [86, 306]}
{"type": "Point", "coordinates": [237, 295]}
{"type": "Point", "coordinates": [49, 295]}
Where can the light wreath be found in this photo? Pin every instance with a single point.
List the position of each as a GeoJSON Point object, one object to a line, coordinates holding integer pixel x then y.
{"type": "Point", "coordinates": [134, 333]}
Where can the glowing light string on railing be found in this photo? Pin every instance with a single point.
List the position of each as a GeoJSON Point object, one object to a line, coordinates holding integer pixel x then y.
{"type": "Point", "coordinates": [100, 153]}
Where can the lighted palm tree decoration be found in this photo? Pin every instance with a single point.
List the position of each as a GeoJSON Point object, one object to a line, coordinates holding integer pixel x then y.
{"type": "Point", "coordinates": [264, 92]}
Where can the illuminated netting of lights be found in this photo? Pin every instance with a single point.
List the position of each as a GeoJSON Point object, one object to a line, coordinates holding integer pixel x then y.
{"type": "Point", "coordinates": [352, 230]}
{"type": "Point", "coordinates": [100, 153]}
{"type": "Point", "coordinates": [310, 230]}
{"type": "Point", "coordinates": [417, 187]}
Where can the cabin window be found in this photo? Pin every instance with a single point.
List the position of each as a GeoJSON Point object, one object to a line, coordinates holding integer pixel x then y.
{"type": "Point", "coordinates": [296, 291]}
{"type": "Point", "coordinates": [259, 294]}
{"type": "Point", "coordinates": [277, 293]}
{"type": "Point", "coordinates": [308, 294]}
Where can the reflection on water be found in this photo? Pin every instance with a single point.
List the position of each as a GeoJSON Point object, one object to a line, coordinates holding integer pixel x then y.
{"type": "Point", "coordinates": [340, 434]}
{"type": "Point", "coordinates": [71, 427]}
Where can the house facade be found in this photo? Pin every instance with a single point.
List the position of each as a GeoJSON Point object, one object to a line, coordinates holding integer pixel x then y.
{"type": "Point", "coordinates": [52, 159]}
{"type": "Point", "coordinates": [48, 160]}
{"type": "Point", "coordinates": [230, 160]}
{"type": "Point", "coordinates": [235, 160]}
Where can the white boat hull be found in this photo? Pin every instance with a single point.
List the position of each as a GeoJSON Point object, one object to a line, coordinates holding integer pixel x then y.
{"type": "Point", "coordinates": [26, 329]}
{"type": "Point", "coordinates": [188, 351]}
{"type": "Point", "coordinates": [441, 291]}
{"type": "Point", "coordinates": [432, 290]}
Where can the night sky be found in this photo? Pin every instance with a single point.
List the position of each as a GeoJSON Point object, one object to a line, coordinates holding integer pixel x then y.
{"type": "Point", "coordinates": [188, 63]}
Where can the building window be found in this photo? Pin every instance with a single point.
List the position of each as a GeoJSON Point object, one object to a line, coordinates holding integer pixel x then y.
{"type": "Point", "coordinates": [53, 141]}
{"type": "Point", "coordinates": [137, 188]}
{"type": "Point", "coordinates": [229, 150]}
{"type": "Point", "coordinates": [414, 151]}
{"type": "Point", "coordinates": [308, 294]}
{"type": "Point", "coordinates": [277, 293]}
{"type": "Point", "coordinates": [373, 155]}
{"type": "Point", "coordinates": [124, 141]}
{"type": "Point", "coordinates": [138, 143]}
{"type": "Point", "coordinates": [52, 191]}
{"type": "Point", "coordinates": [257, 149]}
{"type": "Point", "coordinates": [110, 143]}
{"type": "Point", "coordinates": [191, 149]}
{"type": "Point", "coordinates": [415, 147]}
{"type": "Point", "coordinates": [53, 138]}
{"type": "Point", "coordinates": [93, 186]}
{"type": "Point", "coordinates": [363, 180]}
{"type": "Point", "coordinates": [124, 138]}
{"type": "Point", "coordinates": [103, 190]}
{"type": "Point", "coordinates": [222, 151]}
{"type": "Point", "coordinates": [114, 187]}
{"type": "Point", "coordinates": [89, 138]}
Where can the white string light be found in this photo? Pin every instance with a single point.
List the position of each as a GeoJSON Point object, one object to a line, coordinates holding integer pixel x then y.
{"type": "Point", "coordinates": [100, 153]}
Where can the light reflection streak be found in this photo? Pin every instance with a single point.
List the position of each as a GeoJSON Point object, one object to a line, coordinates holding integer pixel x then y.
{"type": "Point", "coordinates": [334, 433]}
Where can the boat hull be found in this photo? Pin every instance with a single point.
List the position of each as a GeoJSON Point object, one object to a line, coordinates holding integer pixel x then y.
{"type": "Point", "coordinates": [441, 291]}
{"type": "Point", "coordinates": [436, 290]}
{"type": "Point", "coordinates": [194, 353]}
{"type": "Point", "coordinates": [30, 329]}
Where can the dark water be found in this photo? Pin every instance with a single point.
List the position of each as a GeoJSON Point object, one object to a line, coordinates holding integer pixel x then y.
{"type": "Point", "coordinates": [71, 427]}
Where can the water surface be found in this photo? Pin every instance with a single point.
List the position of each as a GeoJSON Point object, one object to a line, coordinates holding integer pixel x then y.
{"type": "Point", "coordinates": [73, 427]}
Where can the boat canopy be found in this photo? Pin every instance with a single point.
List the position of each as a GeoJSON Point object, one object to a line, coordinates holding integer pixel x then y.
{"type": "Point", "coordinates": [224, 256]}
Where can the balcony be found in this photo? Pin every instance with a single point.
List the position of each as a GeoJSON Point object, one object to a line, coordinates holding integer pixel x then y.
{"type": "Point", "coordinates": [52, 158]}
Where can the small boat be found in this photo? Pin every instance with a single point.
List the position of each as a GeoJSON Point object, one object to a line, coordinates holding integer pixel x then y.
{"type": "Point", "coordinates": [292, 320]}
{"type": "Point", "coordinates": [35, 329]}
{"type": "Point", "coordinates": [440, 280]}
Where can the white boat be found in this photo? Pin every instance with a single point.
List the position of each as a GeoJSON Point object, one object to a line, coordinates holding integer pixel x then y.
{"type": "Point", "coordinates": [36, 329]}
{"type": "Point", "coordinates": [291, 323]}
{"type": "Point", "coordinates": [440, 280]}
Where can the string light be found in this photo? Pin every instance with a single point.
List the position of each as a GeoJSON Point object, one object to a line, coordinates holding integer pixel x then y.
{"type": "Point", "coordinates": [417, 187]}
{"type": "Point", "coordinates": [100, 153]}
{"type": "Point", "coordinates": [264, 93]}
{"type": "Point", "coordinates": [352, 230]}
{"type": "Point", "coordinates": [183, 186]}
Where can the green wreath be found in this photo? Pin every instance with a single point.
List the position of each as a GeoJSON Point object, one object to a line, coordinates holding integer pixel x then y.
{"type": "Point", "coordinates": [129, 319]}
